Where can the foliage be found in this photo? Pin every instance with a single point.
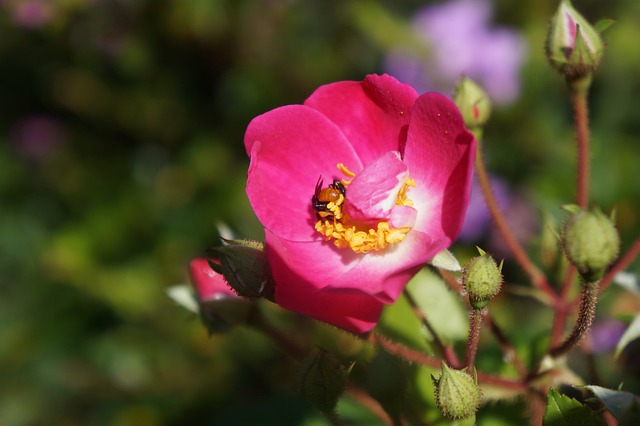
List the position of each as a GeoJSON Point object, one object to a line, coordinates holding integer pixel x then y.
{"type": "Point", "coordinates": [122, 126]}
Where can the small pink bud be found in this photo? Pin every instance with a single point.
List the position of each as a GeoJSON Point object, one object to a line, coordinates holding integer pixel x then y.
{"type": "Point", "coordinates": [573, 47]}
{"type": "Point", "coordinates": [220, 308]}
{"type": "Point", "coordinates": [473, 102]}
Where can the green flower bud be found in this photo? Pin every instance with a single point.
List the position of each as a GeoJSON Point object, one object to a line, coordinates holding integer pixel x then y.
{"type": "Point", "coordinates": [473, 102]}
{"type": "Point", "coordinates": [482, 278]}
{"type": "Point", "coordinates": [591, 242]}
{"type": "Point", "coordinates": [322, 379]}
{"type": "Point", "coordinates": [457, 393]}
{"type": "Point", "coordinates": [245, 267]}
{"type": "Point", "coordinates": [573, 46]}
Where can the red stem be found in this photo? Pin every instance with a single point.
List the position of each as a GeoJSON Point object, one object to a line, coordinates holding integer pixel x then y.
{"type": "Point", "coordinates": [562, 307]}
{"type": "Point", "coordinates": [581, 117]}
{"type": "Point", "coordinates": [588, 301]}
{"type": "Point", "coordinates": [412, 355]}
{"type": "Point", "coordinates": [621, 264]}
{"type": "Point", "coordinates": [475, 323]}
{"type": "Point", "coordinates": [446, 351]}
{"type": "Point", "coordinates": [536, 276]}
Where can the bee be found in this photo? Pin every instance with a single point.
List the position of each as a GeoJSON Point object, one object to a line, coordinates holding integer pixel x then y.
{"type": "Point", "coordinates": [323, 196]}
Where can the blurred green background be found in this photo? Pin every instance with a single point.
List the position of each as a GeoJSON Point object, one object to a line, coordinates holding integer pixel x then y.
{"type": "Point", "coordinates": [121, 125]}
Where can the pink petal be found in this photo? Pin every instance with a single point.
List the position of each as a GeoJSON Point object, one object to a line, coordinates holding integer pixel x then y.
{"type": "Point", "coordinates": [374, 191]}
{"type": "Point", "coordinates": [403, 216]}
{"type": "Point", "coordinates": [319, 267]}
{"type": "Point", "coordinates": [440, 154]}
{"type": "Point", "coordinates": [290, 147]}
{"type": "Point", "coordinates": [208, 284]}
{"type": "Point", "coordinates": [372, 114]}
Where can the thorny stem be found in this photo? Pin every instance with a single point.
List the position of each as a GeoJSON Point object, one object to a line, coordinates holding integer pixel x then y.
{"type": "Point", "coordinates": [281, 339]}
{"type": "Point", "coordinates": [505, 345]}
{"type": "Point", "coordinates": [581, 117]}
{"type": "Point", "coordinates": [446, 351]}
{"type": "Point", "coordinates": [507, 348]}
{"type": "Point", "coordinates": [536, 276]}
{"type": "Point", "coordinates": [475, 323]}
{"type": "Point", "coordinates": [372, 405]}
{"type": "Point", "coordinates": [412, 355]}
{"type": "Point", "coordinates": [333, 418]}
{"type": "Point", "coordinates": [588, 301]}
{"type": "Point", "coordinates": [451, 281]}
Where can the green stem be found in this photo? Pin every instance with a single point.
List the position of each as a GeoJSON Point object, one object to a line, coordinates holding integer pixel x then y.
{"type": "Point", "coordinates": [588, 301]}
{"type": "Point", "coordinates": [284, 341]}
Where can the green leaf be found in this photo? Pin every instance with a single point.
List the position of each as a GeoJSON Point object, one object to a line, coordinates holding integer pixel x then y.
{"type": "Point", "coordinates": [564, 411]}
{"type": "Point", "coordinates": [631, 333]}
{"type": "Point", "coordinates": [628, 281]}
{"type": "Point", "coordinates": [604, 24]}
{"type": "Point", "coordinates": [446, 260]}
{"type": "Point", "coordinates": [620, 404]}
{"type": "Point", "coordinates": [442, 306]}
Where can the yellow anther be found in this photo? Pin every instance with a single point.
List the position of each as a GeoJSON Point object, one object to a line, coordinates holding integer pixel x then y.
{"type": "Point", "coordinates": [360, 239]}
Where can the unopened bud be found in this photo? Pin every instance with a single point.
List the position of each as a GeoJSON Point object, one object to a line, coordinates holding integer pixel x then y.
{"type": "Point", "coordinates": [482, 278]}
{"type": "Point", "coordinates": [220, 308]}
{"type": "Point", "coordinates": [322, 379]}
{"type": "Point", "coordinates": [573, 46]}
{"type": "Point", "coordinates": [245, 267]}
{"type": "Point", "coordinates": [591, 242]}
{"type": "Point", "coordinates": [473, 102]}
{"type": "Point", "coordinates": [457, 394]}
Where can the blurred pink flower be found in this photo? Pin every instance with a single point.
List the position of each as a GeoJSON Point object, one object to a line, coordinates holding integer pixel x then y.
{"type": "Point", "coordinates": [459, 40]}
{"type": "Point", "coordinates": [36, 136]}
{"type": "Point", "coordinates": [32, 13]}
{"type": "Point", "coordinates": [406, 163]}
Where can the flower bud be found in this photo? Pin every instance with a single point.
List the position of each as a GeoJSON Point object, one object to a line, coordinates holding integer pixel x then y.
{"type": "Point", "coordinates": [482, 278]}
{"type": "Point", "coordinates": [322, 380]}
{"type": "Point", "coordinates": [220, 308]}
{"type": "Point", "coordinates": [573, 46]}
{"type": "Point", "coordinates": [245, 267]}
{"type": "Point", "coordinates": [457, 394]}
{"type": "Point", "coordinates": [473, 102]}
{"type": "Point", "coordinates": [591, 242]}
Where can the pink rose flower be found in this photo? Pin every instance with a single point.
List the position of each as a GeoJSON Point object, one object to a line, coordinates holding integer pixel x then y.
{"type": "Point", "coordinates": [357, 189]}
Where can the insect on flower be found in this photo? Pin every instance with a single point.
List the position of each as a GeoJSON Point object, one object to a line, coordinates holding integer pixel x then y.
{"type": "Point", "coordinates": [327, 201]}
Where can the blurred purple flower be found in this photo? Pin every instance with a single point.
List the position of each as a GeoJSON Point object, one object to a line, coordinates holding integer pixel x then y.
{"type": "Point", "coordinates": [459, 40]}
{"type": "Point", "coordinates": [32, 13]}
{"type": "Point", "coordinates": [478, 218]}
{"type": "Point", "coordinates": [605, 334]}
{"type": "Point", "coordinates": [523, 221]}
{"type": "Point", "coordinates": [34, 137]}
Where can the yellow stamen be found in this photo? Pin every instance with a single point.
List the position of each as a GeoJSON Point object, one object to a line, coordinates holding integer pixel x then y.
{"type": "Point", "coordinates": [345, 172]}
{"type": "Point", "coordinates": [345, 234]}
